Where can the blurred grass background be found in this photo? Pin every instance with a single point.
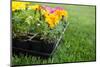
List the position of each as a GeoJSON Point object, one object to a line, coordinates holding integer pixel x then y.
{"type": "Point", "coordinates": [79, 40]}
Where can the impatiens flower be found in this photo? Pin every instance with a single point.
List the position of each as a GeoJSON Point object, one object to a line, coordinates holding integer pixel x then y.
{"type": "Point", "coordinates": [59, 8]}
{"type": "Point", "coordinates": [48, 9]}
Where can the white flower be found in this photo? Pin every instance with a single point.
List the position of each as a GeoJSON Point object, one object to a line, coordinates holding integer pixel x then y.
{"type": "Point", "coordinates": [38, 24]}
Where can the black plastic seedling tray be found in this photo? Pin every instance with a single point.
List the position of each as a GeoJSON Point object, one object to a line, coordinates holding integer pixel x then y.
{"type": "Point", "coordinates": [35, 47]}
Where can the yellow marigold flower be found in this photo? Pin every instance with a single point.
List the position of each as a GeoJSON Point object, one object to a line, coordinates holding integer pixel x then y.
{"type": "Point", "coordinates": [51, 26]}
{"type": "Point", "coordinates": [61, 13]}
{"type": "Point", "coordinates": [57, 13]}
{"type": "Point", "coordinates": [27, 3]}
{"type": "Point", "coordinates": [46, 14]}
{"type": "Point", "coordinates": [43, 12]}
{"type": "Point", "coordinates": [34, 7]}
{"type": "Point", "coordinates": [52, 20]}
{"type": "Point", "coordinates": [18, 5]}
{"type": "Point", "coordinates": [64, 13]}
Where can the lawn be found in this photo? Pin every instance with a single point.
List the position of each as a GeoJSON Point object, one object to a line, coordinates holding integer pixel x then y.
{"type": "Point", "coordinates": [78, 43]}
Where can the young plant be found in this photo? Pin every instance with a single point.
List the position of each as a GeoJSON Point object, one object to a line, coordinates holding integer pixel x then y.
{"type": "Point", "coordinates": [40, 21]}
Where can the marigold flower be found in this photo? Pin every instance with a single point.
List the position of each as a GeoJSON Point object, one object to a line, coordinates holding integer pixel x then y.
{"type": "Point", "coordinates": [58, 11]}
{"type": "Point", "coordinates": [61, 13]}
{"type": "Point", "coordinates": [35, 7]}
{"type": "Point", "coordinates": [51, 19]}
{"type": "Point", "coordinates": [52, 15]}
{"type": "Point", "coordinates": [18, 5]}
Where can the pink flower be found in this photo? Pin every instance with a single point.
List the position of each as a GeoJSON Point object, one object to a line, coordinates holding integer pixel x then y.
{"type": "Point", "coordinates": [59, 8]}
{"type": "Point", "coordinates": [47, 8]}
{"type": "Point", "coordinates": [51, 10]}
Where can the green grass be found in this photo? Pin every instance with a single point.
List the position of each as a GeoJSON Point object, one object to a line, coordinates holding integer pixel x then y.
{"type": "Point", "coordinates": [79, 41]}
